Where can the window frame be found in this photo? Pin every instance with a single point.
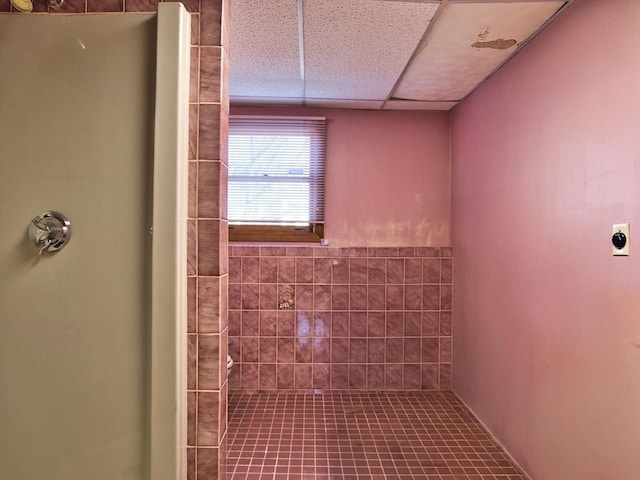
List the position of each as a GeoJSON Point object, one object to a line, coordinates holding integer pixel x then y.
{"type": "Point", "coordinates": [314, 231]}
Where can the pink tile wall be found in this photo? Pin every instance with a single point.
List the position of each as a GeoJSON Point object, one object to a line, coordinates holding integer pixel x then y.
{"type": "Point", "coordinates": [328, 318]}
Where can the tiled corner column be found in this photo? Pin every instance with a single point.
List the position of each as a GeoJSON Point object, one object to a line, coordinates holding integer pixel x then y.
{"type": "Point", "coordinates": [327, 318]}
{"type": "Point", "coordinates": [207, 255]}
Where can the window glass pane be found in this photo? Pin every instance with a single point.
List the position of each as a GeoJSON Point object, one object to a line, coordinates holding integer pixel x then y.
{"type": "Point", "coordinates": [269, 155]}
{"type": "Point", "coordinates": [274, 203]}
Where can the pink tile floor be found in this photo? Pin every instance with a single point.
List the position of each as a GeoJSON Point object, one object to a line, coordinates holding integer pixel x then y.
{"type": "Point", "coordinates": [412, 435]}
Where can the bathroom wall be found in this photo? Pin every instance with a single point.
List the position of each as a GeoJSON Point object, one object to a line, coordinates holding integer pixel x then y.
{"type": "Point", "coordinates": [331, 318]}
{"type": "Point", "coordinates": [207, 248]}
{"type": "Point", "coordinates": [387, 176]}
{"type": "Point", "coordinates": [373, 310]}
{"type": "Point", "coordinates": [546, 157]}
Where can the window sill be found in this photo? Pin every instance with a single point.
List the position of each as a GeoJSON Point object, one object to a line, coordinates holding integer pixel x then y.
{"type": "Point", "coordinates": [276, 234]}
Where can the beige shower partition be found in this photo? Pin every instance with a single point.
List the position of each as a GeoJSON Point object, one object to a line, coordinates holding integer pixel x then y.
{"type": "Point", "coordinates": [91, 357]}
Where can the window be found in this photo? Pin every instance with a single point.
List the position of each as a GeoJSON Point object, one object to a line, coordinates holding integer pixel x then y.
{"type": "Point", "coordinates": [276, 178]}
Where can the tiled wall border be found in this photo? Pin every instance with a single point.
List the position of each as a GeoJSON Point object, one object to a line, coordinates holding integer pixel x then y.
{"type": "Point", "coordinates": [329, 318]}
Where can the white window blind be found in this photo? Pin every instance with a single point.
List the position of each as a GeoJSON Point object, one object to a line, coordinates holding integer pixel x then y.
{"type": "Point", "coordinates": [276, 171]}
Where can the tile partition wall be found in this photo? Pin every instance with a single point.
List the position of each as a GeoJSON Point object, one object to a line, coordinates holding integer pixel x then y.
{"type": "Point", "coordinates": [207, 241]}
{"type": "Point", "coordinates": [327, 318]}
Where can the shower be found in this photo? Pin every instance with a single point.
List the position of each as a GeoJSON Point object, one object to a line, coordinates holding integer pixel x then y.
{"type": "Point", "coordinates": [26, 6]}
{"type": "Point", "coordinates": [92, 363]}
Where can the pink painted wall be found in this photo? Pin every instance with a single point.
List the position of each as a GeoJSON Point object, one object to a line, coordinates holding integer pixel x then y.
{"type": "Point", "coordinates": [387, 176]}
{"type": "Point", "coordinates": [545, 158]}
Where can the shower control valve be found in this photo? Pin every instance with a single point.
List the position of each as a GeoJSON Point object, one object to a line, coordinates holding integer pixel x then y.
{"type": "Point", "coordinates": [50, 231]}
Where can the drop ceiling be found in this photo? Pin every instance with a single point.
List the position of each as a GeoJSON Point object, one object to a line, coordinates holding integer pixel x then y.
{"type": "Point", "coordinates": [374, 54]}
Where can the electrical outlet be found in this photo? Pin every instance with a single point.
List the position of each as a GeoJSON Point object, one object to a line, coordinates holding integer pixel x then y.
{"type": "Point", "coordinates": [620, 239]}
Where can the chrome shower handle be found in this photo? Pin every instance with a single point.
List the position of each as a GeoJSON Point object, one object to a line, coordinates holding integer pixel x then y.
{"type": "Point", "coordinates": [41, 237]}
{"type": "Point", "coordinates": [50, 231]}
{"type": "Point", "coordinates": [44, 238]}
{"type": "Point", "coordinates": [39, 224]}
{"type": "Point", "coordinates": [45, 246]}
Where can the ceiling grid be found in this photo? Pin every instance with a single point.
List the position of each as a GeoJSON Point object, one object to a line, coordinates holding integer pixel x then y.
{"type": "Point", "coordinates": [375, 54]}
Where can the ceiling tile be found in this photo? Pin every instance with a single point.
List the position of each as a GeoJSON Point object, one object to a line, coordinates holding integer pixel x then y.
{"type": "Point", "coordinates": [466, 44]}
{"type": "Point", "coordinates": [271, 101]}
{"type": "Point", "coordinates": [356, 49]}
{"type": "Point", "coordinates": [337, 103]}
{"type": "Point", "coordinates": [418, 105]}
{"type": "Point", "coordinates": [265, 38]}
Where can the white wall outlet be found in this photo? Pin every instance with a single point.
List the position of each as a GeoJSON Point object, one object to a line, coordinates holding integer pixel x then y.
{"type": "Point", "coordinates": [620, 239]}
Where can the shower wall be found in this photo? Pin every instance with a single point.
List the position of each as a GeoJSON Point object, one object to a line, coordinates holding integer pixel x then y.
{"type": "Point", "coordinates": [75, 325]}
{"type": "Point", "coordinates": [372, 311]}
{"type": "Point", "coordinates": [207, 246]}
{"type": "Point", "coordinates": [331, 318]}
